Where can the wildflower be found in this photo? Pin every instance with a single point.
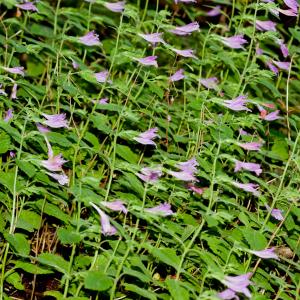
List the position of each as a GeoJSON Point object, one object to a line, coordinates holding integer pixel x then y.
{"type": "Point", "coordinates": [247, 166]}
{"type": "Point", "coordinates": [195, 189]}
{"type": "Point", "coordinates": [41, 128]}
{"type": "Point", "coordinates": [152, 37]}
{"type": "Point", "coordinates": [8, 115]}
{"type": "Point", "coordinates": [283, 48]}
{"type": "Point", "coordinates": [259, 51]}
{"type": "Point", "coordinates": [103, 101]}
{"type": "Point", "coordinates": [248, 187]}
{"type": "Point", "coordinates": [243, 132]}
{"type": "Point", "coordinates": [267, 253]}
{"type": "Point", "coordinates": [102, 77]}
{"type": "Point", "coordinates": [116, 205]}
{"type": "Point", "coordinates": [56, 121]}
{"type": "Point", "coordinates": [287, 12]}
{"type": "Point", "coordinates": [53, 163]}
{"type": "Point", "coordinates": [185, 1]}
{"type": "Point", "coordinates": [272, 67]}
{"type": "Point", "coordinates": [15, 70]}
{"type": "Point", "coordinates": [12, 154]}
{"type": "Point", "coordinates": [185, 53]}
{"type": "Point", "coordinates": [178, 75]}
{"type": "Point", "coordinates": [2, 91]}
{"type": "Point", "coordinates": [271, 116]}
{"type": "Point", "coordinates": [239, 283]}
{"type": "Point", "coordinates": [228, 294]}
{"type": "Point", "coordinates": [265, 25]}
{"type": "Point", "coordinates": [27, 6]}
{"type": "Point", "coordinates": [275, 213]}
{"type": "Point", "coordinates": [251, 146]}
{"type": "Point", "coordinates": [75, 64]}
{"type": "Point", "coordinates": [148, 61]}
{"type": "Point", "coordinates": [149, 175]}
{"type": "Point", "coordinates": [106, 227]}
{"type": "Point", "coordinates": [90, 39]}
{"type": "Point", "coordinates": [13, 94]}
{"type": "Point", "coordinates": [214, 12]}
{"type": "Point", "coordinates": [237, 104]}
{"type": "Point", "coordinates": [292, 4]}
{"type": "Point", "coordinates": [185, 29]}
{"type": "Point", "coordinates": [62, 179]}
{"type": "Point", "coordinates": [282, 65]}
{"type": "Point", "coordinates": [115, 7]}
{"type": "Point", "coordinates": [234, 42]}
{"type": "Point", "coordinates": [187, 170]}
{"type": "Point", "coordinates": [146, 138]}
{"type": "Point", "coordinates": [210, 83]}
{"type": "Point", "coordinates": [161, 210]}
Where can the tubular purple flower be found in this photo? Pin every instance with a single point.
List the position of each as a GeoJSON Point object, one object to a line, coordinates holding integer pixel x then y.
{"type": "Point", "coordinates": [239, 283]}
{"type": "Point", "coordinates": [248, 187]}
{"type": "Point", "coordinates": [210, 83]}
{"type": "Point", "coordinates": [148, 61]}
{"type": "Point", "coordinates": [102, 77]}
{"type": "Point", "coordinates": [53, 163]}
{"type": "Point", "coordinates": [62, 179]}
{"type": "Point", "coordinates": [149, 175]}
{"type": "Point", "coordinates": [283, 48]}
{"type": "Point", "coordinates": [15, 70]}
{"type": "Point", "coordinates": [259, 51]}
{"type": "Point", "coordinates": [90, 39]}
{"type": "Point", "coordinates": [12, 154]}
{"type": "Point", "coordinates": [187, 170]}
{"type": "Point", "coordinates": [106, 227]}
{"type": "Point", "coordinates": [185, 29]}
{"type": "Point", "coordinates": [247, 166]}
{"type": "Point", "coordinates": [27, 6]}
{"type": "Point", "coordinates": [267, 253]}
{"type": "Point", "coordinates": [185, 1]}
{"type": "Point", "coordinates": [237, 104]}
{"type": "Point", "coordinates": [272, 67]}
{"type": "Point", "coordinates": [8, 115]}
{"type": "Point", "coordinates": [265, 25]}
{"type": "Point", "coordinates": [56, 121]}
{"type": "Point", "coordinates": [161, 210]}
{"type": "Point", "coordinates": [234, 42]}
{"type": "Point", "coordinates": [41, 128]}
{"type": "Point", "coordinates": [116, 205]}
{"type": "Point", "coordinates": [251, 146]}
{"type": "Point", "coordinates": [75, 65]}
{"type": "Point", "coordinates": [185, 53]}
{"type": "Point", "coordinates": [115, 7]}
{"type": "Point", "coordinates": [275, 213]}
{"type": "Point", "coordinates": [195, 189]}
{"type": "Point", "coordinates": [146, 138]}
{"type": "Point", "coordinates": [190, 165]}
{"type": "Point", "coordinates": [152, 37]}
{"type": "Point", "coordinates": [292, 4]}
{"type": "Point", "coordinates": [243, 132]}
{"type": "Point", "coordinates": [14, 90]}
{"type": "Point", "coordinates": [282, 64]}
{"type": "Point", "coordinates": [177, 75]}
{"type": "Point", "coordinates": [103, 101]}
{"type": "Point", "coordinates": [228, 294]}
{"type": "Point", "coordinates": [287, 12]}
{"type": "Point", "coordinates": [214, 12]}
{"type": "Point", "coordinates": [272, 116]}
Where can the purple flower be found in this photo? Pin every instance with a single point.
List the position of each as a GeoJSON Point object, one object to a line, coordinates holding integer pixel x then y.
{"type": "Point", "coordinates": [234, 42]}
{"type": "Point", "coordinates": [287, 12]}
{"type": "Point", "coordinates": [14, 90]}
{"type": "Point", "coordinates": [75, 64]}
{"type": "Point", "coordinates": [27, 6]}
{"type": "Point", "coordinates": [272, 67]}
{"type": "Point", "coordinates": [90, 39]}
{"type": "Point", "coordinates": [267, 253]}
{"type": "Point", "coordinates": [210, 83]}
{"type": "Point", "coordinates": [275, 213]}
{"type": "Point", "coordinates": [103, 101]}
{"type": "Point", "coordinates": [53, 163]}
{"type": "Point", "coordinates": [116, 205]}
{"type": "Point", "coordinates": [185, 53]}
{"type": "Point", "coordinates": [187, 170]}
{"type": "Point", "coordinates": [239, 283]}
{"type": "Point", "coordinates": [265, 25]}
{"type": "Point", "coordinates": [146, 138]}
{"type": "Point", "coordinates": [152, 37]}
{"type": "Point", "coordinates": [248, 187]}
{"type": "Point", "coordinates": [149, 175]}
{"type": "Point", "coordinates": [228, 294]}
{"type": "Point", "coordinates": [284, 65]}
{"type": "Point", "coordinates": [195, 189]}
{"type": "Point", "coordinates": [62, 179]}
{"type": "Point", "coordinates": [106, 227]}
{"type": "Point", "coordinates": [8, 115]}
{"type": "Point", "coordinates": [237, 104]}
{"type": "Point", "coordinates": [243, 132]}
{"type": "Point", "coordinates": [12, 154]}
{"type": "Point", "coordinates": [15, 70]}
{"type": "Point", "coordinates": [178, 75]}
{"type": "Point", "coordinates": [271, 116]}
{"type": "Point", "coordinates": [41, 128]}
{"type": "Point", "coordinates": [102, 77]}
{"type": "Point", "coordinates": [161, 210]}
{"type": "Point", "coordinates": [148, 61]}
{"type": "Point", "coordinates": [185, 29]}
{"type": "Point", "coordinates": [251, 146]}
{"type": "Point", "coordinates": [56, 121]}
{"type": "Point", "coordinates": [292, 4]}
{"type": "Point", "coordinates": [185, 1]}
{"type": "Point", "coordinates": [214, 12]}
{"type": "Point", "coordinates": [2, 92]}
{"type": "Point", "coordinates": [283, 48]}
{"type": "Point", "coordinates": [259, 51]}
{"type": "Point", "coordinates": [247, 166]}
{"type": "Point", "coordinates": [115, 7]}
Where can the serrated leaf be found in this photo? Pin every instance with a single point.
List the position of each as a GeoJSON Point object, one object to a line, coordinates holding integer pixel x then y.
{"type": "Point", "coordinates": [31, 268]}
{"type": "Point", "coordinates": [5, 142]}
{"type": "Point", "coordinates": [54, 261]}
{"type": "Point", "coordinates": [19, 242]}
{"type": "Point", "coordinates": [68, 236]}
{"type": "Point", "coordinates": [177, 290]}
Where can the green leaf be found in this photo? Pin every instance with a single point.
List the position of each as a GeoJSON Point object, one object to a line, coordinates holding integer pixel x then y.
{"type": "Point", "coordinates": [141, 292]}
{"type": "Point", "coordinates": [254, 238]}
{"type": "Point", "coordinates": [126, 153]}
{"type": "Point", "coordinates": [5, 142]}
{"type": "Point", "coordinates": [52, 210]}
{"type": "Point", "coordinates": [15, 280]}
{"type": "Point", "coordinates": [26, 167]}
{"type": "Point", "coordinates": [97, 281]}
{"type": "Point", "coordinates": [176, 289]}
{"type": "Point", "coordinates": [29, 220]}
{"type": "Point", "coordinates": [54, 261]}
{"type": "Point", "coordinates": [31, 268]}
{"type": "Point", "coordinates": [68, 236]}
{"type": "Point", "coordinates": [41, 30]}
{"type": "Point", "coordinates": [280, 149]}
{"type": "Point", "coordinates": [8, 178]}
{"type": "Point", "coordinates": [167, 256]}
{"type": "Point", "coordinates": [100, 121]}
{"type": "Point", "coordinates": [19, 242]}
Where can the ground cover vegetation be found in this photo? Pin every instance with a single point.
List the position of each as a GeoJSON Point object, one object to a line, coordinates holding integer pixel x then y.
{"type": "Point", "coordinates": [149, 149]}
